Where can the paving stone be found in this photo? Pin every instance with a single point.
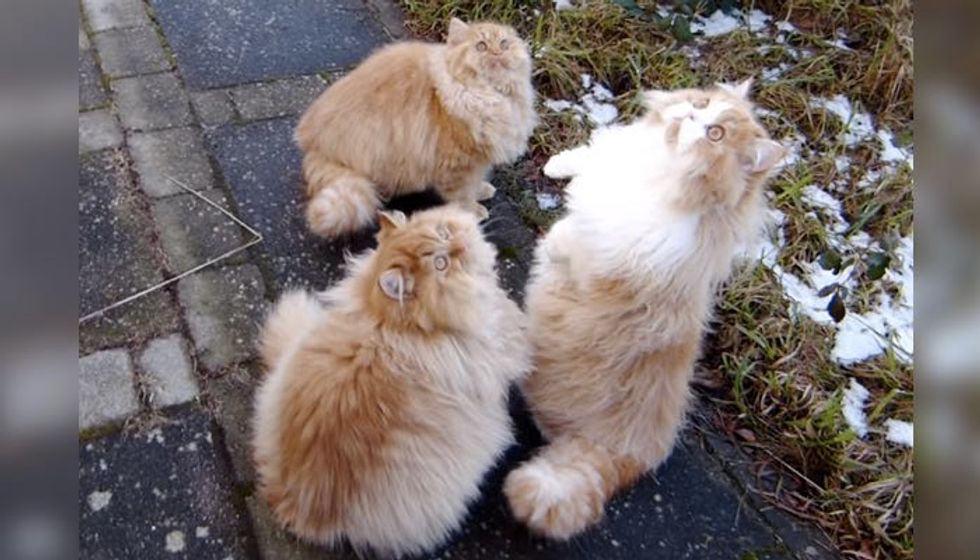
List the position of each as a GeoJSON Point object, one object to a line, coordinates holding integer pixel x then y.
{"type": "Point", "coordinates": [231, 397]}
{"type": "Point", "coordinates": [192, 231]}
{"type": "Point", "coordinates": [91, 92]}
{"type": "Point", "coordinates": [109, 14]}
{"type": "Point", "coordinates": [134, 50]}
{"type": "Point", "coordinates": [277, 99]}
{"type": "Point", "coordinates": [117, 257]}
{"type": "Point", "coordinates": [98, 130]}
{"type": "Point", "coordinates": [238, 41]}
{"type": "Point", "coordinates": [164, 493]}
{"type": "Point", "coordinates": [391, 17]}
{"type": "Point", "coordinates": [262, 168]}
{"type": "Point", "coordinates": [213, 107]}
{"type": "Point", "coordinates": [105, 388]}
{"type": "Point", "coordinates": [223, 308]}
{"type": "Point", "coordinates": [168, 370]}
{"type": "Point", "coordinates": [152, 102]}
{"type": "Point", "coordinates": [178, 153]}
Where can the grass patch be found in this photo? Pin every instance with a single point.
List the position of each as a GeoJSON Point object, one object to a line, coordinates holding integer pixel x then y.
{"type": "Point", "coordinates": [771, 372]}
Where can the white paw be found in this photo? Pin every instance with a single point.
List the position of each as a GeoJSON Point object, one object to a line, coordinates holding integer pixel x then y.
{"type": "Point", "coordinates": [563, 165]}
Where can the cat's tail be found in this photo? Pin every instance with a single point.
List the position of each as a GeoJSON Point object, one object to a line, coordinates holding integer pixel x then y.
{"type": "Point", "coordinates": [293, 315]}
{"type": "Point", "coordinates": [564, 489]}
{"type": "Point", "coordinates": [341, 200]}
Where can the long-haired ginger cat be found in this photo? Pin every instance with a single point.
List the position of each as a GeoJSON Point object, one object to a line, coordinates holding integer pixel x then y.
{"type": "Point", "coordinates": [621, 291]}
{"type": "Point", "coordinates": [415, 116]}
{"type": "Point", "coordinates": [386, 398]}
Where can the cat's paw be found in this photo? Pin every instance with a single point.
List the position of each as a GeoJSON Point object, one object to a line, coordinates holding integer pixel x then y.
{"type": "Point", "coordinates": [480, 210]}
{"type": "Point", "coordinates": [485, 191]}
{"type": "Point", "coordinates": [563, 165]}
{"type": "Point", "coordinates": [556, 502]}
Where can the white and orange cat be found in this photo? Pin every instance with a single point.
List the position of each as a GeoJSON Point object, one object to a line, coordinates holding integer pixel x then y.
{"type": "Point", "coordinates": [415, 116]}
{"type": "Point", "coordinates": [385, 401]}
{"type": "Point", "coordinates": [621, 291]}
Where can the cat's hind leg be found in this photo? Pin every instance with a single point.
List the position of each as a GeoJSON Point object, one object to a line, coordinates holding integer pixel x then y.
{"type": "Point", "coordinates": [341, 200]}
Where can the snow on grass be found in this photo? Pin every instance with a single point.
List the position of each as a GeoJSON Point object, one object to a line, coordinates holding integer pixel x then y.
{"type": "Point", "coordinates": [855, 399]}
{"type": "Point", "coordinates": [899, 431]}
{"type": "Point", "coordinates": [563, 4]}
{"type": "Point", "coordinates": [548, 201]}
{"type": "Point", "coordinates": [720, 23]}
{"type": "Point", "coordinates": [596, 104]}
{"type": "Point", "coordinates": [857, 124]}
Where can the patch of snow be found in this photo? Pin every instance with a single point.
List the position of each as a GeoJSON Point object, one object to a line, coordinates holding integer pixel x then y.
{"type": "Point", "coordinates": [785, 26]}
{"type": "Point", "coordinates": [773, 74]}
{"type": "Point", "coordinates": [857, 124]}
{"type": "Point", "coordinates": [202, 532]}
{"type": "Point", "coordinates": [175, 542]}
{"type": "Point", "coordinates": [595, 104]}
{"type": "Point", "coordinates": [99, 500]}
{"type": "Point", "coordinates": [720, 23]}
{"type": "Point", "coordinates": [899, 431]}
{"type": "Point", "coordinates": [563, 5]}
{"type": "Point", "coordinates": [855, 399]}
{"type": "Point", "coordinates": [891, 152]}
{"type": "Point", "coordinates": [548, 201]}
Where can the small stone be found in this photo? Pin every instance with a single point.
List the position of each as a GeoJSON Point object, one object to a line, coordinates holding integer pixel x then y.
{"type": "Point", "coordinates": [105, 388]}
{"type": "Point", "coordinates": [178, 153]}
{"type": "Point", "coordinates": [276, 99]}
{"type": "Point", "coordinates": [99, 500]}
{"type": "Point", "coordinates": [134, 50]}
{"type": "Point", "coordinates": [192, 231]}
{"type": "Point", "coordinates": [169, 371]}
{"type": "Point", "coordinates": [109, 14]}
{"type": "Point", "coordinates": [152, 102]}
{"type": "Point", "coordinates": [213, 107]}
{"type": "Point", "coordinates": [175, 541]}
{"type": "Point", "coordinates": [202, 532]}
{"type": "Point", "coordinates": [223, 307]}
{"type": "Point", "coordinates": [98, 130]}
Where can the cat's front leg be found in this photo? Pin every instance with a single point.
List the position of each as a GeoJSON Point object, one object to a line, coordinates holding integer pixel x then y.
{"type": "Point", "coordinates": [468, 191]}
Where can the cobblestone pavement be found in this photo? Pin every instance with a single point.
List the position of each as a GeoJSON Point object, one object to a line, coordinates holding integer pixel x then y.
{"type": "Point", "coordinates": [206, 94]}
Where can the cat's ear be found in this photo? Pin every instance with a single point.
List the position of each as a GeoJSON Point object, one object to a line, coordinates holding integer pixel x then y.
{"type": "Point", "coordinates": [391, 220]}
{"type": "Point", "coordinates": [396, 284]}
{"type": "Point", "coordinates": [741, 89]}
{"type": "Point", "coordinates": [764, 155]}
{"type": "Point", "coordinates": [457, 31]}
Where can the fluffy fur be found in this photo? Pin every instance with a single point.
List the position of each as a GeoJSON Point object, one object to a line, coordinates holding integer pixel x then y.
{"type": "Point", "coordinates": [386, 397]}
{"type": "Point", "coordinates": [414, 116]}
{"type": "Point", "coordinates": [622, 289]}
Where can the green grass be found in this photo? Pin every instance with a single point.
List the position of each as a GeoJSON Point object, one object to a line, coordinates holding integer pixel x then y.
{"type": "Point", "coordinates": [767, 372]}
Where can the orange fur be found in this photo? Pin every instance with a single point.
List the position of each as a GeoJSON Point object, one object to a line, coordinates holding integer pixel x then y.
{"type": "Point", "coordinates": [414, 116]}
{"type": "Point", "coordinates": [619, 296]}
{"type": "Point", "coordinates": [386, 399]}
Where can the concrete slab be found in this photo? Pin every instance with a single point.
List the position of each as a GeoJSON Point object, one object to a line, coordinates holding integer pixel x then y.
{"type": "Point", "coordinates": [238, 41]}
{"type": "Point", "coordinates": [164, 493]}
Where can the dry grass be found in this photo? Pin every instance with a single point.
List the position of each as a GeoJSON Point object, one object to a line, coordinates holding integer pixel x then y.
{"type": "Point", "coordinates": [778, 390]}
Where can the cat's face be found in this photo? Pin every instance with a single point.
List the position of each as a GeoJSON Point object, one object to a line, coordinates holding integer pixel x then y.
{"type": "Point", "coordinates": [428, 266]}
{"type": "Point", "coordinates": [489, 50]}
{"type": "Point", "coordinates": [714, 131]}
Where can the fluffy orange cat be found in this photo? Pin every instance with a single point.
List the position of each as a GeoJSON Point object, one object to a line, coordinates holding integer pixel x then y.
{"type": "Point", "coordinates": [415, 116]}
{"type": "Point", "coordinates": [622, 288]}
{"type": "Point", "coordinates": [386, 398]}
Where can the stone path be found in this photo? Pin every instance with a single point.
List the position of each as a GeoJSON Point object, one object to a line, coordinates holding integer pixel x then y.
{"type": "Point", "coordinates": [208, 93]}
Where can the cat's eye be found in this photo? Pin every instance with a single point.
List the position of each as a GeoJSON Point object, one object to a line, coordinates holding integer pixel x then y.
{"type": "Point", "coordinates": [440, 262]}
{"type": "Point", "coordinates": [715, 132]}
{"type": "Point", "coordinates": [481, 46]}
{"type": "Point", "coordinates": [504, 43]}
